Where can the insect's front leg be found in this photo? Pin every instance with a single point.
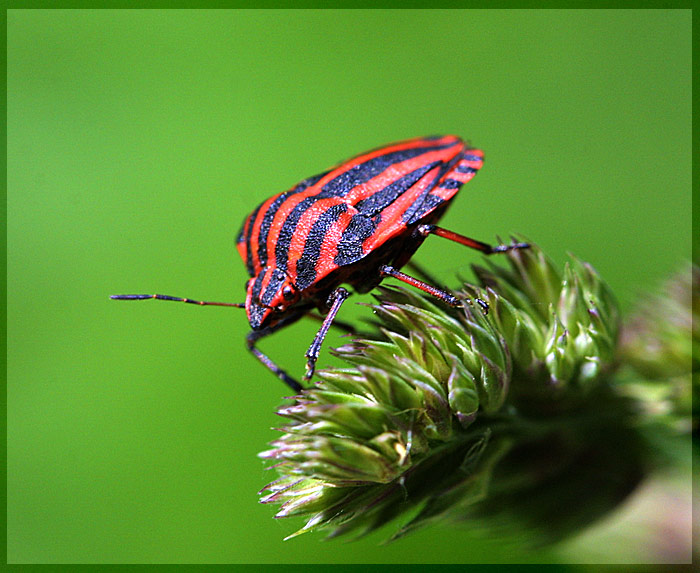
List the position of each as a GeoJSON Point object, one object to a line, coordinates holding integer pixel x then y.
{"type": "Point", "coordinates": [335, 301]}
{"type": "Point", "coordinates": [255, 335]}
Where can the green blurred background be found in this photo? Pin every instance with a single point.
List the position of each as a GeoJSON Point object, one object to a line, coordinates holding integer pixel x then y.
{"type": "Point", "coordinates": [138, 141]}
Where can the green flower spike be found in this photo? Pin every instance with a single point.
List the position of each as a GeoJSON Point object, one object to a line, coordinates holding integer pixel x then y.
{"type": "Point", "coordinates": [455, 414]}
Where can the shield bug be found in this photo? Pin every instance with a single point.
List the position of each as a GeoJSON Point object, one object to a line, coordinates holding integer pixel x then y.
{"type": "Point", "coordinates": [355, 225]}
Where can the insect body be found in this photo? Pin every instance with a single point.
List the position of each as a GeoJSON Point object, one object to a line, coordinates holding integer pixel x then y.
{"type": "Point", "coordinates": [354, 225]}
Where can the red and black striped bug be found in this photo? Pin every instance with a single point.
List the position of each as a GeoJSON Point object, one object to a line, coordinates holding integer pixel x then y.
{"type": "Point", "coordinates": [355, 224]}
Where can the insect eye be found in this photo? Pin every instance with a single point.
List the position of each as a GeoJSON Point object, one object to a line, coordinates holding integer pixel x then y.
{"type": "Point", "coordinates": [288, 292]}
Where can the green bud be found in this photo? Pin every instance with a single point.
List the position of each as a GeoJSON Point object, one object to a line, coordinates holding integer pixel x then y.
{"type": "Point", "coordinates": [462, 394]}
{"type": "Point", "coordinates": [561, 330]}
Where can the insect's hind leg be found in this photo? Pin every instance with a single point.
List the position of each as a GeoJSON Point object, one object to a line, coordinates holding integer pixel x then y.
{"type": "Point", "coordinates": [485, 248]}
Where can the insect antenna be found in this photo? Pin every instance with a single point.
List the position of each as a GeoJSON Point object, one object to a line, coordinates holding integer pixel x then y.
{"type": "Point", "coordinates": [174, 298]}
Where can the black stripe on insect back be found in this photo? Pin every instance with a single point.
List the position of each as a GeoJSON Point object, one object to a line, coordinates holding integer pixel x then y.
{"type": "Point", "coordinates": [386, 196]}
{"type": "Point", "coordinates": [269, 216]}
{"type": "Point", "coordinates": [465, 169]}
{"type": "Point", "coordinates": [306, 265]}
{"type": "Point", "coordinates": [450, 184]}
{"type": "Point", "coordinates": [277, 278]}
{"type": "Point", "coordinates": [429, 203]}
{"type": "Point", "coordinates": [360, 229]}
{"type": "Point", "coordinates": [257, 286]}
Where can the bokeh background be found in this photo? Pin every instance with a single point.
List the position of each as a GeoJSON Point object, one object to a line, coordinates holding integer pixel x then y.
{"type": "Point", "coordinates": [139, 140]}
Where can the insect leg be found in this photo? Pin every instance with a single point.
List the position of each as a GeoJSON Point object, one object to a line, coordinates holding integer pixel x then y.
{"type": "Point", "coordinates": [335, 300]}
{"type": "Point", "coordinates": [255, 335]}
{"type": "Point", "coordinates": [346, 327]}
{"type": "Point", "coordinates": [444, 296]}
{"type": "Point", "coordinates": [485, 248]}
{"type": "Point", "coordinates": [174, 298]}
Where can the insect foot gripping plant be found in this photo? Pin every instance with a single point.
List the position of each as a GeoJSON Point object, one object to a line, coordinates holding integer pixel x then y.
{"type": "Point", "coordinates": [511, 422]}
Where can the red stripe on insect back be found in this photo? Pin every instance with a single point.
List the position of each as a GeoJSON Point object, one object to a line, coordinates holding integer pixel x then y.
{"type": "Point", "coordinates": [244, 246]}
{"type": "Point", "coordinates": [311, 259]}
{"type": "Point", "coordinates": [255, 231]}
{"type": "Point", "coordinates": [445, 140]}
{"type": "Point", "coordinates": [240, 241]}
